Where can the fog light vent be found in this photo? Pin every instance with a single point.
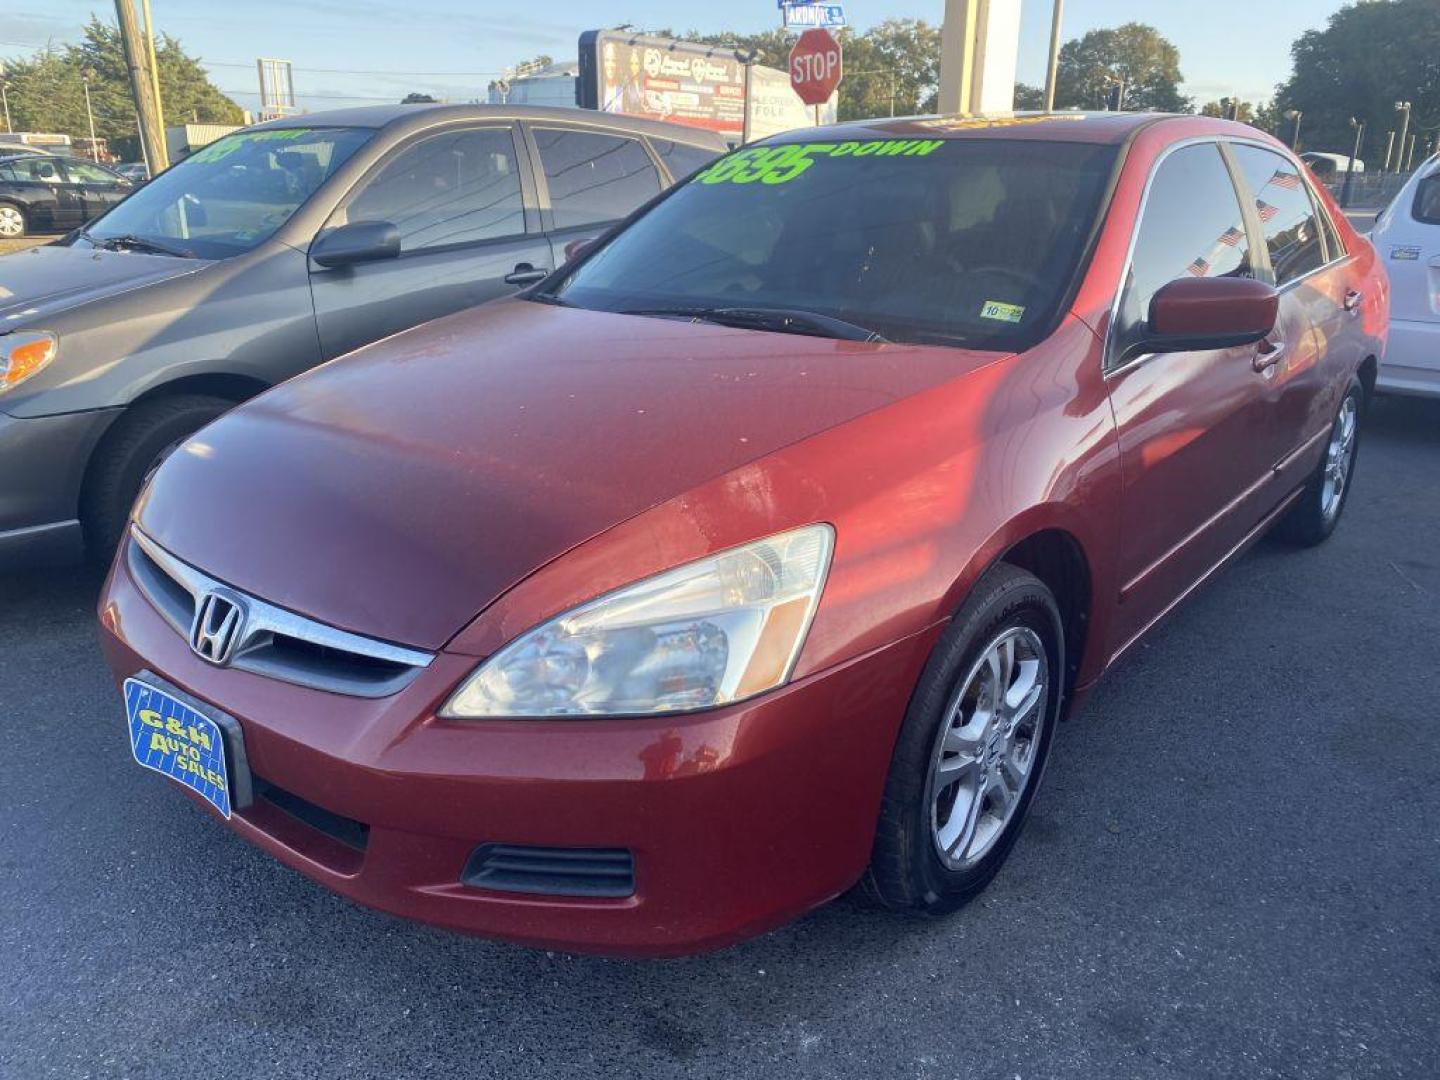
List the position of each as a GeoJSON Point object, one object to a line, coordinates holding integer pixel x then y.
{"type": "Point", "coordinates": [551, 871]}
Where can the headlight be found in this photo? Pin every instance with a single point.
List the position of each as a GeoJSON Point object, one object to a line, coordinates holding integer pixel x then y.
{"type": "Point", "coordinates": [22, 355]}
{"type": "Point", "coordinates": [714, 631]}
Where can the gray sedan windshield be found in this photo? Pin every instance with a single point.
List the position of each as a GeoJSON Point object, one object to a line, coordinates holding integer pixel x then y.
{"type": "Point", "coordinates": [231, 195]}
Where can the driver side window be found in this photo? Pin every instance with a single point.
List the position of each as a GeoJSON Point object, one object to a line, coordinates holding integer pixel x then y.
{"type": "Point", "coordinates": [1191, 225]}
{"type": "Point", "coordinates": [456, 187]}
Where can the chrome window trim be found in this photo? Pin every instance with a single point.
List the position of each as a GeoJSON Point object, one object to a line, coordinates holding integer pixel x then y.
{"type": "Point", "coordinates": [264, 619]}
{"type": "Point", "coordinates": [1197, 140]}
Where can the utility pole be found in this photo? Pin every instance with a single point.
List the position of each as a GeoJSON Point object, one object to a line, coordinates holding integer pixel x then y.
{"type": "Point", "coordinates": [1056, 14]}
{"type": "Point", "coordinates": [1402, 107]}
{"type": "Point", "coordinates": [90, 115]}
{"type": "Point", "coordinates": [152, 135]}
{"type": "Point", "coordinates": [154, 71]}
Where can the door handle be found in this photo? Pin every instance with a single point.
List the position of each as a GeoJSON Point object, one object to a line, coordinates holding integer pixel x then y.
{"type": "Point", "coordinates": [1267, 354]}
{"type": "Point", "coordinates": [526, 274]}
{"type": "Point", "coordinates": [1352, 299]}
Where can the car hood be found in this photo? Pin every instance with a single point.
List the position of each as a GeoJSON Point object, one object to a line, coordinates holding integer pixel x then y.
{"type": "Point", "coordinates": [43, 281]}
{"type": "Point", "coordinates": [397, 491]}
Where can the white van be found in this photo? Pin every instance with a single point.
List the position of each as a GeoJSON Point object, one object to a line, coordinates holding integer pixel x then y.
{"type": "Point", "coordinates": [1407, 238]}
{"type": "Point", "coordinates": [1330, 166]}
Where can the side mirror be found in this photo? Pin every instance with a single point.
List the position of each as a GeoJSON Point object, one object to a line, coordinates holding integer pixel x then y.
{"type": "Point", "coordinates": [1210, 313]}
{"type": "Point", "coordinates": [578, 247]}
{"type": "Point", "coordinates": [358, 242]}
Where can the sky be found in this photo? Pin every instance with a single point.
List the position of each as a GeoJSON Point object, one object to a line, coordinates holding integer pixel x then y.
{"type": "Point", "coordinates": [367, 51]}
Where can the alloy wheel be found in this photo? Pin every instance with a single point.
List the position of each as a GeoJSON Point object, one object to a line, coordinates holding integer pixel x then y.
{"type": "Point", "coordinates": [987, 746]}
{"type": "Point", "coordinates": [12, 222]}
{"type": "Point", "coordinates": [1339, 456]}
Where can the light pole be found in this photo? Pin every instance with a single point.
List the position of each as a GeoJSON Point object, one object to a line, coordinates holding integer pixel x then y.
{"type": "Point", "coordinates": [1359, 126]}
{"type": "Point", "coordinates": [90, 115]}
{"type": "Point", "coordinates": [1294, 115]}
{"type": "Point", "coordinates": [1410, 153]}
{"type": "Point", "coordinates": [1057, 12]}
{"type": "Point", "coordinates": [1389, 149]}
{"type": "Point", "coordinates": [1402, 107]}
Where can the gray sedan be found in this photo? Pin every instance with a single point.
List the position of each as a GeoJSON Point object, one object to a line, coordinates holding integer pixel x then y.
{"type": "Point", "coordinates": [270, 251]}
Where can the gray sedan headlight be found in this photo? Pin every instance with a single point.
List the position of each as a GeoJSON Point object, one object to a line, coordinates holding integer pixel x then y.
{"type": "Point", "coordinates": [714, 631]}
{"type": "Point", "coordinates": [23, 354]}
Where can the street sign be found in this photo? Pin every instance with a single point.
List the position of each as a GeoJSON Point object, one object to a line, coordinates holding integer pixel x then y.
{"type": "Point", "coordinates": [815, 66]}
{"type": "Point", "coordinates": [803, 13]}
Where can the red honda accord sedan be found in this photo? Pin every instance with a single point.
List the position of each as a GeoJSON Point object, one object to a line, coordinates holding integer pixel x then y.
{"type": "Point", "coordinates": [758, 552]}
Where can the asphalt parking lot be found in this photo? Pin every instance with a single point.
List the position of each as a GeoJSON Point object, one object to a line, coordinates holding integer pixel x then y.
{"type": "Point", "coordinates": [1233, 871]}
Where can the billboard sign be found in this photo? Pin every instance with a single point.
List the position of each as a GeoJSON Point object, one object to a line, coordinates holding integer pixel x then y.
{"type": "Point", "coordinates": [662, 79]}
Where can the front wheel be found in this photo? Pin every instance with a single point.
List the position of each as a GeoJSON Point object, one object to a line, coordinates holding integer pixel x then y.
{"type": "Point", "coordinates": [12, 222]}
{"type": "Point", "coordinates": [132, 449]}
{"type": "Point", "coordinates": [972, 747]}
{"type": "Point", "coordinates": [1316, 513]}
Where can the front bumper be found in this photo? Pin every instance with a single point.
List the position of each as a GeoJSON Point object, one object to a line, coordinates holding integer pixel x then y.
{"type": "Point", "coordinates": [738, 819]}
{"type": "Point", "coordinates": [44, 462]}
{"type": "Point", "coordinates": [1412, 359]}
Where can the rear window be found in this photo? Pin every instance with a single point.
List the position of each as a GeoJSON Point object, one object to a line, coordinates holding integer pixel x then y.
{"type": "Point", "coordinates": [964, 242]}
{"type": "Point", "coordinates": [1287, 216]}
{"type": "Point", "coordinates": [682, 158]}
{"type": "Point", "coordinates": [1427, 200]}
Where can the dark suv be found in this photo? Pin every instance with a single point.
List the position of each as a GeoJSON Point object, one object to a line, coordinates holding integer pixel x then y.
{"type": "Point", "coordinates": [269, 251]}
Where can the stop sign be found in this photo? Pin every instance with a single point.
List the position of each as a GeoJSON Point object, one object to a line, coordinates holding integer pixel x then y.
{"type": "Point", "coordinates": [815, 67]}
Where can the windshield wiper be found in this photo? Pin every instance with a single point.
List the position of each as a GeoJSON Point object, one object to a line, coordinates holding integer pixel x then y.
{"type": "Point", "coordinates": [778, 320]}
{"type": "Point", "coordinates": [138, 243]}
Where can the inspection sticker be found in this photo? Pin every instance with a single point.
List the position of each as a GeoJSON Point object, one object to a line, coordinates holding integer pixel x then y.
{"type": "Point", "coordinates": [997, 309]}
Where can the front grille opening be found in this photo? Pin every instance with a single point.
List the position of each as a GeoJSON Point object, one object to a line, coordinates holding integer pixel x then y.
{"type": "Point", "coordinates": [353, 834]}
{"type": "Point", "coordinates": [171, 598]}
{"type": "Point", "coordinates": [324, 666]}
{"type": "Point", "coordinates": [546, 871]}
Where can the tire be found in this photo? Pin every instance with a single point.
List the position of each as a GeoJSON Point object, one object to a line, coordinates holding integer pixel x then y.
{"type": "Point", "coordinates": [13, 222]}
{"type": "Point", "coordinates": [128, 453]}
{"type": "Point", "coordinates": [908, 871]}
{"type": "Point", "coordinates": [1316, 513]}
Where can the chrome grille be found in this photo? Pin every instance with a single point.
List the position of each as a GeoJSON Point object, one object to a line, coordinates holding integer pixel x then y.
{"type": "Point", "coordinates": [273, 641]}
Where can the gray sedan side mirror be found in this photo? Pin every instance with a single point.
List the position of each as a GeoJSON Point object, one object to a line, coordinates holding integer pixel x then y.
{"type": "Point", "coordinates": [360, 241]}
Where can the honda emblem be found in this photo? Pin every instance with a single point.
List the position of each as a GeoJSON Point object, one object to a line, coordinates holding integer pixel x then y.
{"type": "Point", "coordinates": [218, 627]}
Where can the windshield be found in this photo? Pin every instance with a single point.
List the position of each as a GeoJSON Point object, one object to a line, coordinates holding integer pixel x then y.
{"type": "Point", "coordinates": [231, 195]}
{"type": "Point", "coordinates": [970, 242]}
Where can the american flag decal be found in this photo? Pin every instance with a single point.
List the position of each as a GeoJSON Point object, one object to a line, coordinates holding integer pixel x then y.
{"type": "Point", "coordinates": [1231, 237]}
{"type": "Point", "coordinates": [1199, 268]}
{"type": "Point", "coordinates": [1265, 210]}
{"type": "Point", "coordinates": [1288, 180]}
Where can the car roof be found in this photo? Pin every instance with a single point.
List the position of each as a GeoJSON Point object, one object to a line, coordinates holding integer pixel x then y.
{"type": "Point", "coordinates": [404, 118]}
{"type": "Point", "coordinates": [1064, 126]}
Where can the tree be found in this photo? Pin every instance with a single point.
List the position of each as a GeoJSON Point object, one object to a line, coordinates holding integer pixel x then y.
{"type": "Point", "coordinates": [1029, 97]}
{"type": "Point", "coordinates": [1225, 106]}
{"type": "Point", "coordinates": [1150, 65]}
{"type": "Point", "coordinates": [417, 99]}
{"type": "Point", "coordinates": [1369, 56]}
{"type": "Point", "coordinates": [46, 90]}
{"type": "Point", "coordinates": [893, 69]}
